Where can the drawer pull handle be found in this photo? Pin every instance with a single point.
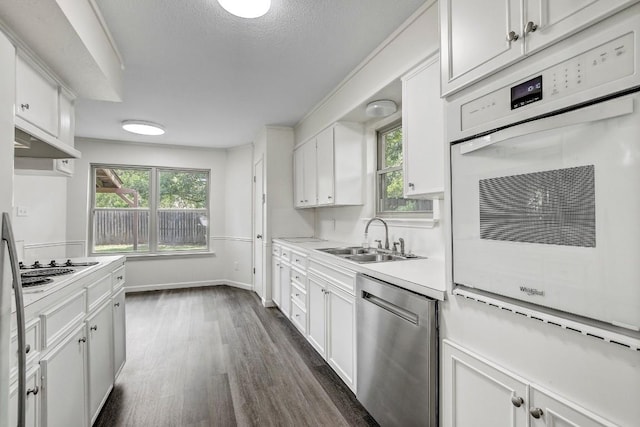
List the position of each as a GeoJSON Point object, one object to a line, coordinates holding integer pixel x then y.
{"type": "Point", "coordinates": [297, 295]}
{"type": "Point", "coordinates": [120, 277]}
{"type": "Point", "coordinates": [83, 339]}
{"type": "Point", "coordinates": [517, 401]}
{"type": "Point", "coordinates": [536, 413]}
{"type": "Point", "coordinates": [94, 328]}
{"type": "Point", "coordinates": [27, 349]}
{"type": "Point", "coordinates": [33, 391]}
{"type": "Point", "coordinates": [24, 106]}
{"type": "Point", "coordinates": [116, 304]}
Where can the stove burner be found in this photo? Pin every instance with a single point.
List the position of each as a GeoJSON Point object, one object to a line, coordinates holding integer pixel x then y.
{"type": "Point", "coordinates": [36, 265]}
{"type": "Point", "coordinates": [46, 272]}
{"type": "Point", "coordinates": [28, 282]}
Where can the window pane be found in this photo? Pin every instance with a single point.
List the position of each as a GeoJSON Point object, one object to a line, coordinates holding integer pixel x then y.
{"type": "Point", "coordinates": [122, 188]}
{"type": "Point", "coordinates": [391, 200]}
{"type": "Point", "coordinates": [392, 145]}
{"type": "Point", "coordinates": [182, 230]}
{"type": "Point", "coordinates": [183, 189]}
{"type": "Point", "coordinates": [120, 231]}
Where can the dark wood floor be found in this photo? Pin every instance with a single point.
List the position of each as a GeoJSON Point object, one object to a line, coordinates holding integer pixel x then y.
{"type": "Point", "coordinates": [215, 357]}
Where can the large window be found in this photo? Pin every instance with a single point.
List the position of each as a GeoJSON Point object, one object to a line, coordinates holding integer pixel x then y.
{"type": "Point", "coordinates": [390, 182]}
{"type": "Point", "coordinates": [149, 209]}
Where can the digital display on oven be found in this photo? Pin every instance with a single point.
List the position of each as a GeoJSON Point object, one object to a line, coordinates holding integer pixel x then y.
{"type": "Point", "coordinates": [526, 93]}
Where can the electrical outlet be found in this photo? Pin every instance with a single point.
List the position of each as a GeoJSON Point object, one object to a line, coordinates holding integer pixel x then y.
{"type": "Point", "coordinates": [22, 211]}
{"type": "Point", "coordinates": [236, 266]}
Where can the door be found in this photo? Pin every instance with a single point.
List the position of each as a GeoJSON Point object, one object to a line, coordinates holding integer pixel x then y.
{"type": "Point", "coordinates": [119, 333]}
{"type": "Point", "coordinates": [100, 357]}
{"type": "Point", "coordinates": [325, 165]}
{"type": "Point", "coordinates": [548, 411]}
{"type": "Point", "coordinates": [7, 97]}
{"type": "Point", "coordinates": [258, 229]}
{"type": "Point", "coordinates": [275, 280]}
{"type": "Point", "coordinates": [310, 174]}
{"type": "Point", "coordinates": [317, 314]}
{"type": "Point", "coordinates": [298, 177]}
{"type": "Point", "coordinates": [285, 289]}
{"type": "Point", "coordinates": [341, 346]}
{"type": "Point", "coordinates": [537, 217]}
{"type": "Point", "coordinates": [32, 402]}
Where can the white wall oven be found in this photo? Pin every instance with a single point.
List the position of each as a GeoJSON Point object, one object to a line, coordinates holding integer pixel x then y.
{"type": "Point", "coordinates": [545, 178]}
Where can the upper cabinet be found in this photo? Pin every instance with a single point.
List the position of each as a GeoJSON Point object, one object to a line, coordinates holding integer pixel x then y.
{"type": "Point", "coordinates": [479, 38]}
{"type": "Point", "coordinates": [36, 98]}
{"type": "Point", "coordinates": [422, 127]}
{"type": "Point", "coordinates": [329, 168]}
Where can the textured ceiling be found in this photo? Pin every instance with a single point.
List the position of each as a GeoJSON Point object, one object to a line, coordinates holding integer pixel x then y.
{"type": "Point", "coordinates": [213, 79]}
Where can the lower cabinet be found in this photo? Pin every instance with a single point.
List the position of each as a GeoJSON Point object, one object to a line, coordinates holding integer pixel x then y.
{"type": "Point", "coordinates": [64, 382]}
{"type": "Point", "coordinates": [476, 389]}
{"type": "Point", "coordinates": [275, 280]}
{"type": "Point", "coordinates": [285, 288]}
{"type": "Point", "coordinates": [317, 314]}
{"type": "Point", "coordinates": [32, 402]}
{"type": "Point", "coordinates": [119, 332]}
{"type": "Point", "coordinates": [100, 356]}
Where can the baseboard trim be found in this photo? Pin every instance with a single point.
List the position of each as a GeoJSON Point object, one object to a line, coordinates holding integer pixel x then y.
{"type": "Point", "coordinates": [186, 285]}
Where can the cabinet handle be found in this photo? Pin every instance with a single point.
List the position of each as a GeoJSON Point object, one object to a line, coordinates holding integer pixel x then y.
{"type": "Point", "coordinates": [297, 295]}
{"type": "Point", "coordinates": [27, 349]}
{"type": "Point", "coordinates": [116, 304]}
{"type": "Point", "coordinates": [83, 339]}
{"type": "Point", "coordinates": [33, 391]}
{"type": "Point", "coordinates": [301, 201]}
{"type": "Point", "coordinates": [297, 278]}
{"type": "Point", "coordinates": [536, 413]}
{"type": "Point", "coordinates": [517, 401]}
{"type": "Point", "coordinates": [24, 106]}
{"type": "Point", "coordinates": [329, 197]}
{"type": "Point", "coordinates": [411, 185]}
{"type": "Point", "coordinates": [530, 27]}
{"type": "Point", "coordinates": [120, 277]}
{"type": "Point", "coordinates": [512, 36]}
{"type": "Point", "coordinates": [94, 328]}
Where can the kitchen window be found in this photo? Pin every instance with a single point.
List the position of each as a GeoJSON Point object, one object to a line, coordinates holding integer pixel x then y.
{"type": "Point", "coordinates": [148, 210]}
{"type": "Point", "coordinates": [390, 178]}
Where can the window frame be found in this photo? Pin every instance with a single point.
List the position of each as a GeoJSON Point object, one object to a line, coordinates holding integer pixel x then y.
{"type": "Point", "coordinates": [153, 209]}
{"type": "Point", "coordinates": [380, 171]}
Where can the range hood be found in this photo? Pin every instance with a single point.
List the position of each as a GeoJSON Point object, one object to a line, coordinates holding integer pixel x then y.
{"type": "Point", "coordinates": [30, 141]}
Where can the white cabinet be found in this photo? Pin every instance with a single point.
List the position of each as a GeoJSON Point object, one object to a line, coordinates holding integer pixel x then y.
{"type": "Point", "coordinates": [333, 167]}
{"type": "Point", "coordinates": [341, 349]}
{"type": "Point", "coordinates": [100, 356]}
{"type": "Point", "coordinates": [36, 98]}
{"type": "Point", "coordinates": [317, 314]}
{"type": "Point", "coordinates": [475, 389]}
{"type": "Point", "coordinates": [119, 332]}
{"type": "Point", "coordinates": [275, 280]}
{"type": "Point", "coordinates": [32, 402]}
{"type": "Point", "coordinates": [285, 288]}
{"type": "Point", "coordinates": [479, 38]}
{"type": "Point", "coordinates": [422, 128]}
{"type": "Point", "coordinates": [64, 382]}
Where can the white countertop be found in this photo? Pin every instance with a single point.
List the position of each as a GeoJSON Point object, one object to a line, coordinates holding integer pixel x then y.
{"type": "Point", "coordinates": [424, 276]}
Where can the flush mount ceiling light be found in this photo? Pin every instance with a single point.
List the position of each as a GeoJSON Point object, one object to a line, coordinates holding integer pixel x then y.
{"type": "Point", "coordinates": [142, 128]}
{"type": "Point", "coordinates": [246, 8]}
{"type": "Point", "coordinates": [381, 108]}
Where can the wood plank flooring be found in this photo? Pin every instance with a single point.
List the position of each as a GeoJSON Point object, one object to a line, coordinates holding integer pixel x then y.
{"type": "Point", "coordinates": [215, 357]}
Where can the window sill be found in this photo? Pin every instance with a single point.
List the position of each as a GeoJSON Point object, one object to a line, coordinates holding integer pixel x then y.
{"type": "Point", "coordinates": [405, 222]}
{"type": "Point", "coordinates": [173, 255]}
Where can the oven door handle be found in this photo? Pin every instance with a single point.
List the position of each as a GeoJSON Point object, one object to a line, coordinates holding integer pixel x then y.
{"type": "Point", "coordinates": [601, 111]}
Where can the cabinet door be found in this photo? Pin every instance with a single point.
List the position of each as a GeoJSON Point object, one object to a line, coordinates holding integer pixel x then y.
{"type": "Point", "coordinates": [67, 121]}
{"type": "Point", "coordinates": [36, 98]}
{"type": "Point", "coordinates": [341, 348]}
{"type": "Point", "coordinates": [63, 382]}
{"type": "Point", "coordinates": [32, 403]}
{"type": "Point", "coordinates": [310, 174]}
{"type": "Point", "coordinates": [476, 392]}
{"type": "Point", "coordinates": [285, 289]}
{"type": "Point", "coordinates": [474, 39]}
{"type": "Point", "coordinates": [556, 20]}
{"type": "Point", "coordinates": [119, 332]}
{"type": "Point", "coordinates": [275, 281]}
{"type": "Point", "coordinates": [298, 177]}
{"type": "Point", "coordinates": [546, 410]}
{"type": "Point", "coordinates": [100, 348]}
{"type": "Point", "coordinates": [325, 162]}
{"type": "Point", "coordinates": [422, 128]}
{"type": "Point", "coordinates": [317, 314]}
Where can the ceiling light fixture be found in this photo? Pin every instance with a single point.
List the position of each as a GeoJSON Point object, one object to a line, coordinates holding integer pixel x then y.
{"type": "Point", "coordinates": [381, 108]}
{"type": "Point", "coordinates": [142, 128]}
{"type": "Point", "coordinates": [246, 8]}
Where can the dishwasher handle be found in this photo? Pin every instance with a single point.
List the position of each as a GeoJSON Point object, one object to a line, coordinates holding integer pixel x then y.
{"type": "Point", "coordinates": [391, 308]}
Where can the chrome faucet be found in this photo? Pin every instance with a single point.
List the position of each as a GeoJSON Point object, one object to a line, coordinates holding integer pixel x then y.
{"type": "Point", "coordinates": [386, 231]}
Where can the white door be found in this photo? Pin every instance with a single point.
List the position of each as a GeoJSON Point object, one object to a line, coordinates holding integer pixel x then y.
{"type": "Point", "coordinates": [119, 332]}
{"type": "Point", "coordinates": [325, 165]}
{"type": "Point", "coordinates": [258, 229]}
{"type": "Point", "coordinates": [545, 410]}
{"type": "Point", "coordinates": [317, 314]}
{"type": "Point", "coordinates": [100, 357]}
{"type": "Point", "coordinates": [310, 174]}
{"type": "Point", "coordinates": [341, 346]}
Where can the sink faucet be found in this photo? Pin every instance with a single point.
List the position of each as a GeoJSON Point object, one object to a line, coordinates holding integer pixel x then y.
{"type": "Point", "coordinates": [386, 230]}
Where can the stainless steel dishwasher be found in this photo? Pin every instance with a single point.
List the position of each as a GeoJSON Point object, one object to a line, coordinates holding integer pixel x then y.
{"type": "Point", "coordinates": [397, 354]}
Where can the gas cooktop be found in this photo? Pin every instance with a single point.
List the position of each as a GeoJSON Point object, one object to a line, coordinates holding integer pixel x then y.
{"type": "Point", "coordinates": [36, 275]}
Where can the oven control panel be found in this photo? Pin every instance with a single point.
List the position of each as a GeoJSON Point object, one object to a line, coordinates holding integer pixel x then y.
{"type": "Point", "coordinates": [606, 63]}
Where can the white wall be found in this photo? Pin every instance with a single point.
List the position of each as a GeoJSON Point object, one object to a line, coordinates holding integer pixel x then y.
{"type": "Point", "coordinates": [175, 271]}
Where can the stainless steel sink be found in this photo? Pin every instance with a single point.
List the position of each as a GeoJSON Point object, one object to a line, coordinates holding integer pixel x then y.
{"type": "Point", "coordinates": [365, 258]}
{"type": "Point", "coordinates": [352, 250]}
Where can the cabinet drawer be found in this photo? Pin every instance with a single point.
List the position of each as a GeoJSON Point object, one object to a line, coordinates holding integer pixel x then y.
{"type": "Point", "coordinates": [285, 253]}
{"type": "Point", "coordinates": [337, 276]}
{"type": "Point", "coordinates": [275, 251]}
{"type": "Point", "coordinates": [299, 278]}
{"type": "Point", "coordinates": [299, 295]}
{"type": "Point", "coordinates": [299, 316]}
{"type": "Point", "coordinates": [99, 292]}
{"type": "Point", "coordinates": [299, 260]}
{"type": "Point", "coordinates": [58, 321]}
{"type": "Point", "coordinates": [118, 277]}
{"type": "Point", "coordinates": [32, 343]}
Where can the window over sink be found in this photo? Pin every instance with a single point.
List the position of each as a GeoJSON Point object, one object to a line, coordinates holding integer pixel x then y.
{"type": "Point", "coordinates": [390, 179]}
{"type": "Point", "coordinates": [148, 210]}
